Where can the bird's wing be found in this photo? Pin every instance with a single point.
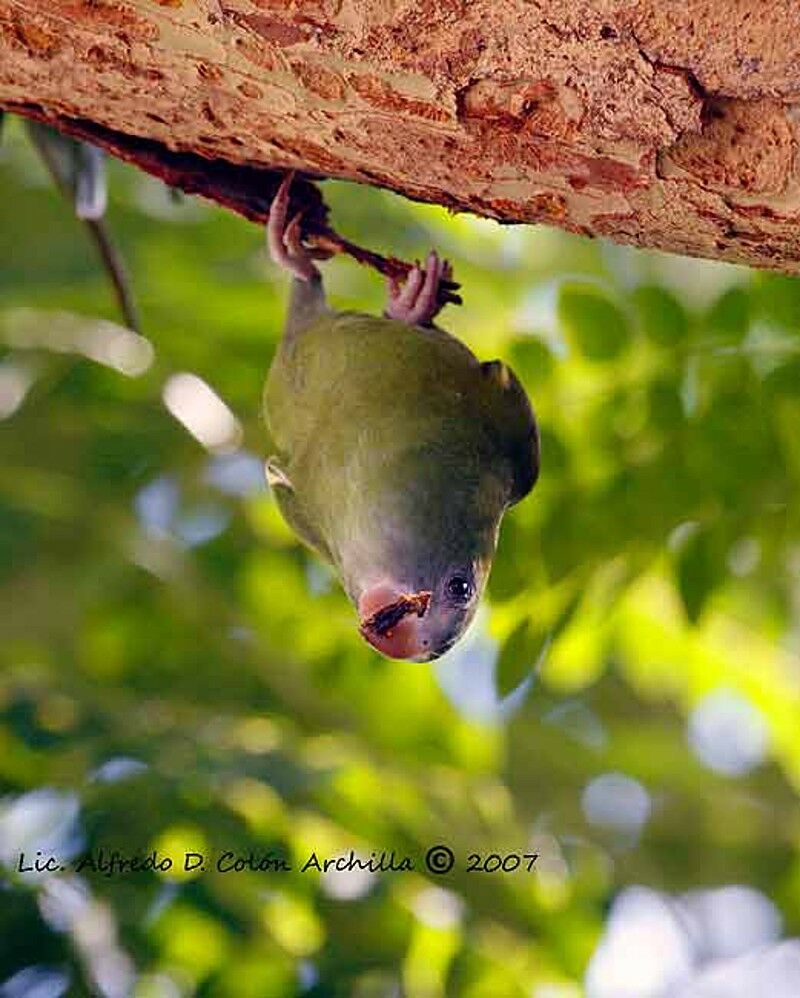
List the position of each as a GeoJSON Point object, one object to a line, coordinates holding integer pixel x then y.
{"type": "Point", "coordinates": [292, 511]}
{"type": "Point", "coordinates": [514, 426]}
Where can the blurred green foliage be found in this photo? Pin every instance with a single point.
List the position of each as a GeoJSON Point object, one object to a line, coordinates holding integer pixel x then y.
{"type": "Point", "coordinates": [657, 562]}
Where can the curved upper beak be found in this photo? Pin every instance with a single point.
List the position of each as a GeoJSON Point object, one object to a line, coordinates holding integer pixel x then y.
{"type": "Point", "coordinates": [392, 621]}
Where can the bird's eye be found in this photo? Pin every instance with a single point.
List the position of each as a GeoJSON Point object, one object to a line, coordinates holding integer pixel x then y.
{"type": "Point", "coordinates": [459, 588]}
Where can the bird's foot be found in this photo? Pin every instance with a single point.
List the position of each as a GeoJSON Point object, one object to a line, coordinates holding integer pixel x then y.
{"type": "Point", "coordinates": [284, 240]}
{"type": "Point", "coordinates": [417, 300]}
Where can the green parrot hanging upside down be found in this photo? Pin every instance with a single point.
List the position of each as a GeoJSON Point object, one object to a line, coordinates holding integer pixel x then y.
{"type": "Point", "coordinates": [398, 451]}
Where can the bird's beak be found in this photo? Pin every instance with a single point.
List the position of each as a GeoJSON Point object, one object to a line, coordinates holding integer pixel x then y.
{"type": "Point", "coordinates": [391, 620]}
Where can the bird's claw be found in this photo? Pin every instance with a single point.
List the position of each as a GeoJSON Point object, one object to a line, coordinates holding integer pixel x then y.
{"type": "Point", "coordinates": [285, 240]}
{"type": "Point", "coordinates": [418, 299]}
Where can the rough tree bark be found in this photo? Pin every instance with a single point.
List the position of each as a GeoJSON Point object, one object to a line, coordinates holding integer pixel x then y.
{"type": "Point", "coordinates": [672, 125]}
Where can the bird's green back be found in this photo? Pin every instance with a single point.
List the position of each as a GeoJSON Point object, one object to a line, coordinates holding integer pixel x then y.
{"type": "Point", "coordinates": [371, 417]}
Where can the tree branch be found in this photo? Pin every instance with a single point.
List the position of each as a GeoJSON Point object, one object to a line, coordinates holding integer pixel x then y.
{"type": "Point", "coordinates": [663, 125]}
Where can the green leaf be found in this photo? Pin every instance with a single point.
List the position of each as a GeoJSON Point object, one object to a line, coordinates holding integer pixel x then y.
{"type": "Point", "coordinates": [698, 570]}
{"type": "Point", "coordinates": [596, 327]}
{"type": "Point", "coordinates": [556, 451]}
{"type": "Point", "coordinates": [662, 318]}
{"type": "Point", "coordinates": [531, 360]}
{"type": "Point", "coordinates": [665, 404]}
{"type": "Point", "coordinates": [729, 316]}
{"type": "Point", "coordinates": [778, 301]}
{"type": "Point", "coordinates": [524, 647]}
{"type": "Point", "coordinates": [784, 380]}
{"type": "Point", "coordinates": [519, 656]}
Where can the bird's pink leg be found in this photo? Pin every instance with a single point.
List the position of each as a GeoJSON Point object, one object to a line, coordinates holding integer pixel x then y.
{"type": "Point", "coordinates": [416, 302]}
{"type": "Point", "coordinates": [283, 240]}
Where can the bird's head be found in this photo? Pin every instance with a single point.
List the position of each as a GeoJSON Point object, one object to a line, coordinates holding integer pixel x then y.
{"type": "Point", "coordinates": [416, 559]}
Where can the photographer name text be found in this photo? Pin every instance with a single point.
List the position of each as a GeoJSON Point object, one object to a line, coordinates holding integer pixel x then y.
{"type": "Point", "coordinates": [438, 860]}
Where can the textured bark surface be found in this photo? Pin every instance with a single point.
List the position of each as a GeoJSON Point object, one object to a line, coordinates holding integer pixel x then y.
{"type": "Point", "coordinates": [672, 125]}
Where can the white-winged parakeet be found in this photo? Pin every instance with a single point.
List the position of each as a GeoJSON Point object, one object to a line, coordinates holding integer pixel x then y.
{"type": "Point", "coordinates": [398, 451]}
